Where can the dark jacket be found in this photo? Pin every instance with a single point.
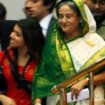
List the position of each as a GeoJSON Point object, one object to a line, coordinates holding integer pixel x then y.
{"type": "Point", "coordinates": [5, 30]}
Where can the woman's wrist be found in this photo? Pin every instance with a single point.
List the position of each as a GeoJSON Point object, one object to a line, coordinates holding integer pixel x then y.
{"type": "Point", "coordinates": [86, 81]}
{"type": "Point", "coordinates": [37, 101]}
{"type": "Point", "coordinates": [38, 104]}
{"type": "Point", "coordinates": [2, 97]}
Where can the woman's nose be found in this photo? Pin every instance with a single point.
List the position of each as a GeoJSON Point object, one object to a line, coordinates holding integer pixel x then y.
{"type": "Point", "coordinates": [97, 5]}
{"type": "Point", "coordinates": [12, 35]}
{"type": "Point", "coordinates": [64, 19]}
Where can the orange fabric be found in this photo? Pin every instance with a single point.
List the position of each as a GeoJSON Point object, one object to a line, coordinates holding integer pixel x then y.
{"type": "Point", "coordinates": [21, 96]}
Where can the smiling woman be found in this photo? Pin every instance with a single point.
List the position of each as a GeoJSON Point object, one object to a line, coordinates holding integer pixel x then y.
{"type": "Point", "coordinates": [16, 38]}
{"type": "Point", "coordinates": [69, 22]}
{"type": "Point", "coordinates": [71, 47]}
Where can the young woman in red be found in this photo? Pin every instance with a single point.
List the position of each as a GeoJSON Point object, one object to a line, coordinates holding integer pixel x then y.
{"type": "Point", "coordinates": [20, 60]}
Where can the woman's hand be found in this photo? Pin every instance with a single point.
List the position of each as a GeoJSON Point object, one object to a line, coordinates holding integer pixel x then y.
{"type": "Point", "coordinates": [37, 101]}
{"type": "Point", "coordinates": [76, 88]}
{"type": "Point", "coordinates": [7, 100]}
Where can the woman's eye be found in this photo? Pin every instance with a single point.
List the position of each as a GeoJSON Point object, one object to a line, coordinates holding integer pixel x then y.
{"type": "Point", "coordinates": [68, 17]}
{"type": "Point", "coordinates": [34, 1]}
{"type": "Point", "coordinates": [17, 33]}
{"type": "Point", "coordinates": [61, 16]}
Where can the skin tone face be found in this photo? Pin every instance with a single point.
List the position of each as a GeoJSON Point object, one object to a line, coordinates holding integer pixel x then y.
{"type": "Point", "coordinates": [16, 38]}
{"type": "Point", "coordinates": [99, 8]}
{"type": "Point", "coordinates": [36, 8]}
{"type": "Point", "coordinates": [68, 21]}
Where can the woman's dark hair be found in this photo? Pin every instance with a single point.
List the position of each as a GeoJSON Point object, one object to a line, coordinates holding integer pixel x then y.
{"type": "Point", "coordinates": [50, 2]}
{"type": "Point", "coordinates": [70, 4]}
{"type": "Point", "coordinates": [32, 34]}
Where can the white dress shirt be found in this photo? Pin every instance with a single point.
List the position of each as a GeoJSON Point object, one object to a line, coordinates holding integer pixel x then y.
{"type": "Point", "coordinates": [44, 23]}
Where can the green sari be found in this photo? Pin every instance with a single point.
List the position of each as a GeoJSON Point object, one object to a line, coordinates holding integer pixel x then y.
{"type": "Point", "coordinates": [56, 64]}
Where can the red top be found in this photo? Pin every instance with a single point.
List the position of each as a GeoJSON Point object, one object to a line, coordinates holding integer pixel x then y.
{"type": "Point", "coordinates": [21, 96]}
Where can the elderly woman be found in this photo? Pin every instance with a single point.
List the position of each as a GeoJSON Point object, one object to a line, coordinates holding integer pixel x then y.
{"type": "Point", "coordinates": [71, 46]}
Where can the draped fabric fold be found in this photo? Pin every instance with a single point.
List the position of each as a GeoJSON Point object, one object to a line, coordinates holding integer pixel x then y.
{"type": "Point", "coordinates": [56, 64]}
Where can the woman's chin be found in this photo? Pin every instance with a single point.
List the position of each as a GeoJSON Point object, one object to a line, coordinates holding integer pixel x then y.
{"type": "Point", "coordinates": [11, 46]}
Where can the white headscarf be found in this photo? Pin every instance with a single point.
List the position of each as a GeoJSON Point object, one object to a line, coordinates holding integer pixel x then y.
{"type": "Point", "coordinates": [90, 18]}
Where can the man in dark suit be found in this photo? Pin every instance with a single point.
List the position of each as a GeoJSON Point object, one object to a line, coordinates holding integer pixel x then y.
{"type": "Point", "coordinates": [5, 30]}
{"type": "Point", "coordinates": [42, 10]}
{"type": "Point", "coordinates": [2, 18]}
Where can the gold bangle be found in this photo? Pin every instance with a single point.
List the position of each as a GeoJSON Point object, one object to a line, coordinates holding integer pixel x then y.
{"type": "Point", "coordinates": [87, 78]}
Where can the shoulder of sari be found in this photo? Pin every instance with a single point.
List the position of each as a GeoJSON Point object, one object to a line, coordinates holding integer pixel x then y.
{"type": "Point", "coordinates": [64, 57]}
{"type": "Point", "coordinates": [48, 72]}
{"type": "Point", "coordinates": [97, 56]}
{"type": "Point", "coordinates": [93, 39]}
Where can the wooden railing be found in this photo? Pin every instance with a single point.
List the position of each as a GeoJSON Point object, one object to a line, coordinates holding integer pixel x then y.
{"type": "Point", "coordinates": [61, 88]}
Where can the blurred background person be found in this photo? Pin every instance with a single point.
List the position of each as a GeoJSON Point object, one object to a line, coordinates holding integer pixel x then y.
{"type": "Point", "coordinates": [90, 4]}
{"type": "Point", "coordinates": [5, 27]}
{"type": "Point", "coordinates": [42, 10]}
{"type": "Point", "coordinates": [3, 12]}
{"type": "Point", "coordinates": [19, 61]}
{"type": "Point", "coordinates": [98, 9]}
{"type": "Point", "coordinates": [2, 18]}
